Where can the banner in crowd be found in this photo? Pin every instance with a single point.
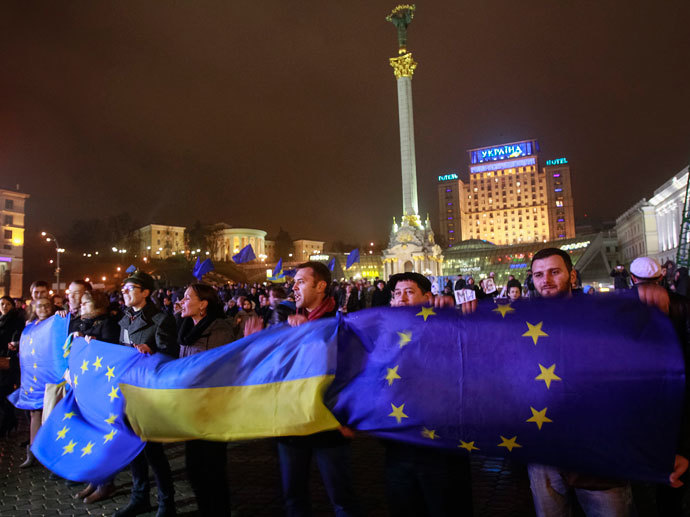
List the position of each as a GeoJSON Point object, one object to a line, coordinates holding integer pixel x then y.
{"type": "Point", "coordinates": [85, 438]}
{"type": "Point", "coordinates": [42, 359]}
{"type": "Point", "coordinates": [591, 385]}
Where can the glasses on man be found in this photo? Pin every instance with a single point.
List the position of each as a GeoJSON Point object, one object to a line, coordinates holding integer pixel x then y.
{"type": "Point", "coordinates": [129, 288]}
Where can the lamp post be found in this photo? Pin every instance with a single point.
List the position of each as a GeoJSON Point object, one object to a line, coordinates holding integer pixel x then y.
{"type": "Point", "coordinates": [58, 250]}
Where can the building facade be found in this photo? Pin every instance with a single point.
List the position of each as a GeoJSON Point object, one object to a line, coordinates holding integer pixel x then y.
{"type": "Point", "coordinates": [159, 240]}
{"type": "Point", "coordinates": [12, 212]}
{"type": "Point", "coordinates": [232, 240]}
{"type": "Point", "coordinates": [305, 248]}
{"type": "Point", "coordinates": [652, 227]}
{"type": "Point", "coordinates": [509, 197]}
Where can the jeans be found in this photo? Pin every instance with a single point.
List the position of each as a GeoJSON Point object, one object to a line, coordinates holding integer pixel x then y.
{"type": "Point", "coordinates": [206, 464]}
{"type": "Point", "coordinates": [153, 455]}
{"type": "Point", "coordinates": [553, 497]}
{"type": "Point", "coordinates": [333, 460]}
{"type": "Point", "coordinates": [422, 481]}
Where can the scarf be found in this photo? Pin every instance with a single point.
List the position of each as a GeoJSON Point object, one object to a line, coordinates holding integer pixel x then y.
{"type": "Point", "coordinates": [190, 333]}
{"type": "Point", "coordinates": [326, 306]}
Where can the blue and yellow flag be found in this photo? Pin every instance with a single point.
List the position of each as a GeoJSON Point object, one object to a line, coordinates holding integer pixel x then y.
{"type": "Point", "coordinates": [41, 359]}
{"type": "Point", "coordinates": [85, 438]}
{"type": "Point", "coordinates": [590, 385]}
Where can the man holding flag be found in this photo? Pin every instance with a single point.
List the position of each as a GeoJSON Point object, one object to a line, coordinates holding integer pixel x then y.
{"type": "Point", "coordinates": [331, 448]}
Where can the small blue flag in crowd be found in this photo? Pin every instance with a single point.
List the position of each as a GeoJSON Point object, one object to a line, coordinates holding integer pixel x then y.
{"type": "Point", "coordinates": [246, 254]}
{"type": "Point", "coordinates": [331, 264]}
{"type": "Point", "coordinates": [289, 272]}
{"type": "Point", "coordinates": [86, 438]}
{"type": "Point", "coordinates": [352, 258]}
{"type": "Point", "coordinates": [42, 360]}
{"type": "Point", "coordinates": [278, 268]}
{"type": "Point", "coordinates": [131, 269]}
{"type": "Point", "coordinates": [205, 267]}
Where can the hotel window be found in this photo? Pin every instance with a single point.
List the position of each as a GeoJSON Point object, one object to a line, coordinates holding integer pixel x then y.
{"type": "Point", "coordinates": [9, 204]}
{"type": "Point", "coordinates": [8, 234]}
{"type": "Point", "coordinates": [9, 220]}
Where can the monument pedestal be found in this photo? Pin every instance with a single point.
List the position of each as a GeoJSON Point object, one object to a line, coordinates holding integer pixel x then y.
{"type": "Point", "coordinates": [411, 248]}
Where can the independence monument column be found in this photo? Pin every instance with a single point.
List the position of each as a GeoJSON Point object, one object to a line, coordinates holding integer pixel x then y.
{"type": "Point", "coordinates": [411, 246]}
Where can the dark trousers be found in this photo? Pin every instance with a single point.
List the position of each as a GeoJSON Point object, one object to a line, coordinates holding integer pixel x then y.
{"type": "Point", "coordinates": [153, 455]}
{"type": "Point", "coordinates": [422, 481]}
{"type": "Point", "coordinates": [669, 500]}
{"type": "Point", "coordinates": [333, 460]}
{"type": "Point", "coordinates": [206, 464]}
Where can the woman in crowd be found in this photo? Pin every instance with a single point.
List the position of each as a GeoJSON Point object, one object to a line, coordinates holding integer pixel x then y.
{"type": "Point", "coordinates": [203, 328]}
{"type": "Point", "coordinates": [96, 322]}
{"type": "Point", "coordinates": [247, 312]}
{"type": "Point", "coordinates": [11, 326]}
{"type": "Point", "coordinates": [44, 309]}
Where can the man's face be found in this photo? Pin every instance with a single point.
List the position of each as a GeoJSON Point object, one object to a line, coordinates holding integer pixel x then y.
{"type": "Point", "coordinates": [76, 291]}
{"type": "Point", "coordinates": [44, 309]}
{"type": "Point", "coordinates": [551, 278]}
{"type": "Point", "coordinates": [407, 293]}
{"type": "Point", "coordinates": [39, 292]}
{"type": "Point", "coordinates": [514, 294]}
{"type": "Point", "coordinates": [308, 292]}
{"type": "Point", "coordinates": [134, 295]}
{"type": "Point", "coordinates": [380, 286]}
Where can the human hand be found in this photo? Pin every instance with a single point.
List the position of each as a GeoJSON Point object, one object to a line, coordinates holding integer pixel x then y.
{"type": "Point", "coordinates": [13, 345]}
{"type": "Point", "coordinates": [347, 432]}
{"type": "Point", "coordinates": [679, 468]}
{"type": "Point", "coordinates": [88, 339]}
{"type": "Point", "coordinates": [443, 300]}
{"type": "Point", "coordinates": [62, 314]}
{"type": "Point", "coordinates": [469, 307]}
{"type": "Point", "coordinates": [295, 320]}
{"type": "Point", "coordinates": [143, 349]}
{"type": "Point", "coordinates": [654, 295]}
{"type": "Point", "coordinates": [253, 325]}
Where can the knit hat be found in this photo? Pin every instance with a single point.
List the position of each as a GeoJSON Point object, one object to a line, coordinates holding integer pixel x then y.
{"type": "Point", "coordinates": [142, 279]}
{"type": "Point", "coordinates": [645, 268]}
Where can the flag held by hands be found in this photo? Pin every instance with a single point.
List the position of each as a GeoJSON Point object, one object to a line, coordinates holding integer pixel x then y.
{"type": "Point", "coordinates": [205, 267]}
{"type": "Point", "coordinates": [246, 254]}
{"type": "Point", "coordinates": [352, 258]}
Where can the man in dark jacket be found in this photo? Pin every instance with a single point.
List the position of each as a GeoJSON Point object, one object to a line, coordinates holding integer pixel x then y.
{"type": "Point", "coordinates": [331, 448]}
{"type": "Point", "coordinates": [150, 331]}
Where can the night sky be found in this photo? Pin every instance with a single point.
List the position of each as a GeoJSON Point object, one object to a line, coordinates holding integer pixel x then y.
{"type": "Point", "coordinates": [276, 113]}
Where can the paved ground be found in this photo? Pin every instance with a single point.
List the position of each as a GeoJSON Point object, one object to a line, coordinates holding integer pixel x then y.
{"type": "Point", "coordinates": [499, 489]}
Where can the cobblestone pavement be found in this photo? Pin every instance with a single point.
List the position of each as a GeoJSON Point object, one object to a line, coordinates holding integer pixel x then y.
{"type": "Point", "coordinates": [499, 488]}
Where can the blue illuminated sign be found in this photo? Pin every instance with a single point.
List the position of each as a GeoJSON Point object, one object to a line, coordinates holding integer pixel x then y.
{"type": "Point", "coordinates": [504, 152]}
{"type": "Point", "coordinates": [447, 177]}
{"type": "Point", "coordinates": [557, 161]}
{"type": "Point", "coordinates": [502, 165]}
{"type": "Point", "coordinates": [518, 266]}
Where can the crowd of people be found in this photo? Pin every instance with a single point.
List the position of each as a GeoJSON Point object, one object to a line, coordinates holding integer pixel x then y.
{"type": "Point", "coordinates": [181, 322]}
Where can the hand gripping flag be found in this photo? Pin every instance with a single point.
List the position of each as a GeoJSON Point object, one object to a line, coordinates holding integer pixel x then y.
{"type": "Point", "coordinates": [42, 359]}
{"type": "Point", "coordinates": [352, 258]}
{"type": "Point", "coordinates": [205, 267]}
{"type": "Point", "coordinates": [246, 254]}
{"type": "Point", "coordinates": [85, 438]}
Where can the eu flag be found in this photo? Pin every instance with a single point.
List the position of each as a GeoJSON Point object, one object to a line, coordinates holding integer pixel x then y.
{"type": "Point", "coordinates": [41, 359]}
{"type": "Point", "coordinates": [131, 269]}
{"type": "Point", "coordinates": [86, 438]}
{"type": "Point", "coordinates": [205, 267]}
{"type": "Point", "coordinates": [331, 264]}
{"type": "Point", "coordinates": [246, 254]}
{"type": "Point", "coordinates": [352, 258]}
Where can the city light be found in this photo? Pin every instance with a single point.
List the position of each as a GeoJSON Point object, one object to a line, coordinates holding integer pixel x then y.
{"type": "Point", "coordinates": [118, 268]}
{"type": "Point", "coordinates": [103, 278]}
{"type": "Point", "coordinates": [87, 279]}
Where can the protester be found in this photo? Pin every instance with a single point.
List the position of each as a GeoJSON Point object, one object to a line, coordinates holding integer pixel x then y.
{"type": "Point", "coordinates": [204, 328]}
{"type": "Point", "coordinates": [331, 448]}
{"type": "Point", "coordinates": [150, 331]}
{"type": "Point", "coordinates": [38, 289]}
{"type": "Point", "coordinates": [513, 290]}
{"type": "Point", "coordinates": [621, 278]}
{"type": "Point", "coordinates": [11, 326]}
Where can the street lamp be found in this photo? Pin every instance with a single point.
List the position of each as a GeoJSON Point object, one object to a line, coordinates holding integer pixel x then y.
{"type": "Point", "coordinates": [49, 237]}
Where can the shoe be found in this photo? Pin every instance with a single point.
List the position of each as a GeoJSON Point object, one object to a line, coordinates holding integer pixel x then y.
{"type": "Point", "coordinates": [30, 460]}
{"type": "Point", "coordinates": [90, 488]}
{"type": "Point", "coordinates": [102, 492]}
{"type": "Point", "coordinates": [133, 509]}
{"type": "Point", "coordinates": [167, 510]}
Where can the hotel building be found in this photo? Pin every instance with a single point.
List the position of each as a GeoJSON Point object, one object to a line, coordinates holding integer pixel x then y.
{"type": "Point", "coordinates": [508, 198]}
{"type": "Point", "coordinates": [12, 210]}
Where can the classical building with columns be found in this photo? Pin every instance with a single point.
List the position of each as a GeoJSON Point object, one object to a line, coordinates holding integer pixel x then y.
{"type": "Point", "coordinates": [411, 246]}
{"type": "Point", "coordinates": [232, 240]}
{"type": "Point", "coordinates": [652, 227]}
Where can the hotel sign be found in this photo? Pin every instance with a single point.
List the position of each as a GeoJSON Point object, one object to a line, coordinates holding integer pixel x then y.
{"type": "Point", "coordinates": [504, 152]}
{"type": "Point", "coordinates": [557, 161]}
{"type": "Point", "coordinates": [448, 177]}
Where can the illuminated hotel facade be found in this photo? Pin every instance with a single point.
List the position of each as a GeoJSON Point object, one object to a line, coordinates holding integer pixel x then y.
{"type": "Point", "coordinates": [509, 197]}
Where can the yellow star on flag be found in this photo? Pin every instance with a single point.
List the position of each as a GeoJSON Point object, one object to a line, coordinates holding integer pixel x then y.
{"type": "Point", "coordinates": [61, 433]}
{"type": "Point", "coordinates": [113, 394]}
{"type": "Point", "coordinates": [33, 351]}
{"type": "Point", "coordinates": [109, 436]}
{"type": "Point", "coordinates": [31, 340]}
{"type": "Point", "coordinates": [68, 415]}
{"type": "Point", "coordinates": [539, 417]}
{"type": "Point", "coordinates": [503, 309]}
{"type": "Point", "coordinates": [84, 366]}
{"type": "Point", "coordinates": [87, 450]}
{"type": "Point", "coordinates": [35, 366]}
{"type": "Point", "coordinates": [469, 446]}
{"type": "Point", "coordinates": [426, 312]}
{"type": "Point", "coordinates": [35, 379]}
{"type": "Point", "coordinates": [535, 332]}
{"type": "Point", "coordinates": [405, 338]}
{"type": "Point", "coordinates": [430, 434]}
{"type": "Point", "coordinates": [111, 373]}
{"type": "Point", "coordinates": [97, 363]}
{"type": "Point", "coordinates": [398, 412]}
{"type": "Point", "coordinates": [75, 380]}
{"type": "Point", "coordinates": [547, 375]}
{"type": "Point", "coordinates": [111, 419]}
{"type": "Point", "coordinates": [69, 448]}
{"type": "Point", "coordinates": [392, 374]}
{"type": "Point", "coordinates": [509, 444]}
{"type": "Point", "coordinates": [31, 389]}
